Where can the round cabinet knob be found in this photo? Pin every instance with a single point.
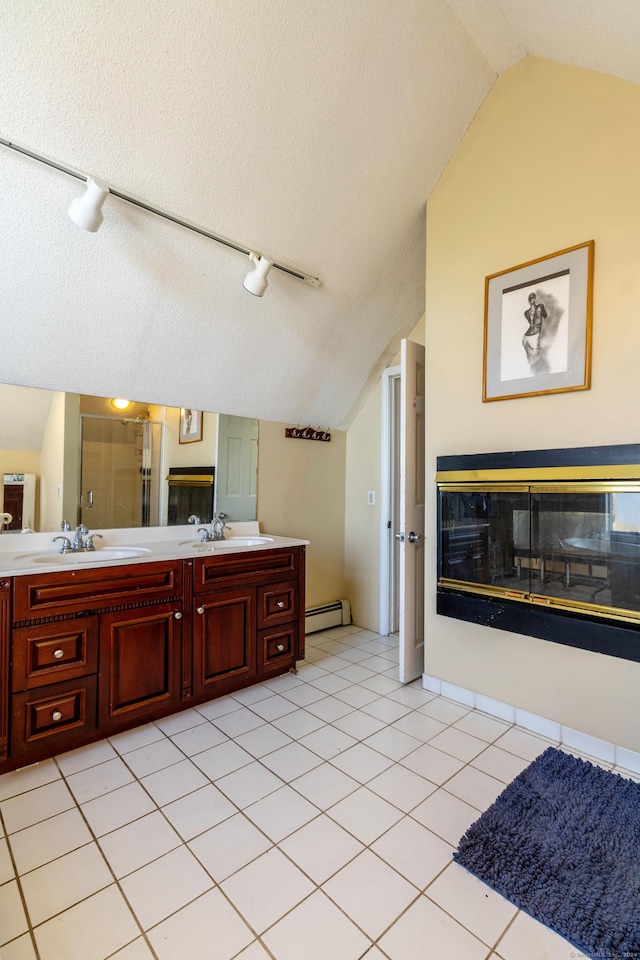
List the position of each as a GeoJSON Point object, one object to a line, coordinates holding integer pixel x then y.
{"type": "Point", "coordinates": [56, 715]}
{"type": "Point", "coordinates": [58, 653]}
{"type": "Point", "coordinates": [177, 615]}
{"type": "Point", "coordinates": [200, 610]}
{"type": "Point", "coordinates": [280, 603]}
{"type": "Point", "coordinates": [280, 647]}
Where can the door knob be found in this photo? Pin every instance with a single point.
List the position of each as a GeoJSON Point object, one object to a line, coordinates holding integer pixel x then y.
{"type": "Point", "coordinates": [400, 537]}
{"type": "Point", "coordinates": [414, 537]}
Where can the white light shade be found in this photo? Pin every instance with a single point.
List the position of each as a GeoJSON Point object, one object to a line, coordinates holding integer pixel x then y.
{"type": "Point", "coordinates": [256, 280]}
{"type": "Point", "coordinates": [86, 211]}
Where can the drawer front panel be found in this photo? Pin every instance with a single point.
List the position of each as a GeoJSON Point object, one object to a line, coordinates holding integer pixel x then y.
{"type": "Point", "coordinates": [54, 717]}
{"type": "Point", "coordinates": [277, 603]}
{"type": "Point", "coordinates": [47, 653]}
{"type": "Point", "coordinates": [276, 647]}
{"type": "Point", "coordinates": [259, 566]}
{"type": "Point", "coordinates": [70, 591]}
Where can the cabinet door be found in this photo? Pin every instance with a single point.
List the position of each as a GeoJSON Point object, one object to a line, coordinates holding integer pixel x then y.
{"type": "Point", "coordinates": [224, 630]}
{"type": "Point", "coordinates": [140, 656]}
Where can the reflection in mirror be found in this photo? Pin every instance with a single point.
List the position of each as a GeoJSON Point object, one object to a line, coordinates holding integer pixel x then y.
{"type": "Point", "coordinates": [66, 456]}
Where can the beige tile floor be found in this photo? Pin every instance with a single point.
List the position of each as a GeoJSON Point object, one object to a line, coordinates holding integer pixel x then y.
{"type": "Point", "coordinates": [311, 817]}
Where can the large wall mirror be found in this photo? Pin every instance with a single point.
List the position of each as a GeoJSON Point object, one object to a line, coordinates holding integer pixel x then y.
{"type": "Point", "coordinates": [67, 456]}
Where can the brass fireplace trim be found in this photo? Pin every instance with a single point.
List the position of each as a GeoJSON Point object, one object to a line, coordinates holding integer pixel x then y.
{"type": "Point", "coordinates": [632, 485]}
{"type": "Point", "coordinates": [539, 600]}
{"type": "Point", "coordinates": [531, 475]}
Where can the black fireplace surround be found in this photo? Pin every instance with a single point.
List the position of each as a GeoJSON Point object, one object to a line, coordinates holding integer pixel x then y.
{"type": "Point", "coordinates": [544, 543]}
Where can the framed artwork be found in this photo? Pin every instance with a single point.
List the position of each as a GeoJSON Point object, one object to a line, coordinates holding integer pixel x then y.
{"type": "Point", "coordinates": [190, 425]}
{"type": "Point", "coordinates": [537, 326]}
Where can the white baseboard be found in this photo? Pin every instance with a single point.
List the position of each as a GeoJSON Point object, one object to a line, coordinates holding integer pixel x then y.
{"type": "Point", "coordinates": [582, 742]}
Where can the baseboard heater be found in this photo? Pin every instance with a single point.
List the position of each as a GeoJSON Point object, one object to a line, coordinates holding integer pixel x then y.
{"type": "Point", "coordinates": [327, 615]}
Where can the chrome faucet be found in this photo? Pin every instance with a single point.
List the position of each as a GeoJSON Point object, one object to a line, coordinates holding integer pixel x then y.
{"type": "Point", "coordinates": [82, 543]}
{"type": "Point", "coordinates": [218, 526]}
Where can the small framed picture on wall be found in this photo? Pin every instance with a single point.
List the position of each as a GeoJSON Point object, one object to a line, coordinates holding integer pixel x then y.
{"type": "Point", "coordinates": [190, 425]}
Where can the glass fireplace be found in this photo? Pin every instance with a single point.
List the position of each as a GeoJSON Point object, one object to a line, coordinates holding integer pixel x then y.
{"type": "Point", "coordinates": [568, 545]}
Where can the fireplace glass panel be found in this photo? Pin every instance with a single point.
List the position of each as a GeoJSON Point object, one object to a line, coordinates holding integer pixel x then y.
{"type": "Point", "coordinates": [587, 547]}
{"type": "Point", "coordinates": [485, 537]}
{"type": "Point", "coordinates": [573, 546]}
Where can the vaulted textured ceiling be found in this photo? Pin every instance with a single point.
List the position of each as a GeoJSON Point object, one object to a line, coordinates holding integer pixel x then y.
{"type": "Point", "coordinates": [311, 132]}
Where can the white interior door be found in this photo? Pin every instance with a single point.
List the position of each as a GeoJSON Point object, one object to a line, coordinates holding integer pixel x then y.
{"type": "Point", "coordinates": [236, 483]}
{"type": "Point", "coordinates": [411, 525]}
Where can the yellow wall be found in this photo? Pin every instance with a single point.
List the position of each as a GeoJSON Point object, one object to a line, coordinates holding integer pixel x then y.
{"type": "Point", "coordinates": [550, 161]}
{"type": "Point", "coordinates": [301, 494]}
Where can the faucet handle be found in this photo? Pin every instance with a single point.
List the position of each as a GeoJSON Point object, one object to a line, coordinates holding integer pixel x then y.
{"type": "Point", "coordinates": [88, 541]}
{"type": "Point", "coordinates": [66, 546]}
{"type": "Point", "coordinates": [65, 525]}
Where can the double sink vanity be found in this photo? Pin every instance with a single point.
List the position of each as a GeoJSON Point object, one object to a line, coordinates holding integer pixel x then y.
{"type": "Point", "coordinates": [152, 621]}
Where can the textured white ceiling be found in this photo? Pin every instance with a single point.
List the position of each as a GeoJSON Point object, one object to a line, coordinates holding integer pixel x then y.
{"type": "Point", "coordinates": [311, 132]}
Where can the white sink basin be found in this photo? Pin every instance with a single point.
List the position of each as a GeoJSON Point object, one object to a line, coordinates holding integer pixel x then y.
{"type": "Point", "coordinates": [244, 541]}
{"type": "Point", "coordinates": [229, 543]}
{"type": "Point", "coordinates": [91, 556]}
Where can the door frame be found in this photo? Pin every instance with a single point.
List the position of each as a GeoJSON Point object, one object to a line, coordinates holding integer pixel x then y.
{"type": "Point", "coordinates": [390, 471]}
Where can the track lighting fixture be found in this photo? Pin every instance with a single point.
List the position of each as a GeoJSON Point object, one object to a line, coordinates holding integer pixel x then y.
{"type": "Point", "coordinates": [86, 211]}
{"type": "Point", "coordinates": [256, 280]}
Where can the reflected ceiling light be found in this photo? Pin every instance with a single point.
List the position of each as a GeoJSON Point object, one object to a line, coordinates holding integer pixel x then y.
{"type": "Point", "coordinates": [120, 404]}
{"type": "Point", "coordinates": [256, 280]}
{"type": "Point", "coordinates": [86, 211]}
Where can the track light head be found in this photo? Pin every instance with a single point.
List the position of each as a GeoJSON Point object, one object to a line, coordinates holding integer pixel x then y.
{"type": "Point", "coordinates": [256, 280]}
{"type": "Point", "coordinates": [86, 211]}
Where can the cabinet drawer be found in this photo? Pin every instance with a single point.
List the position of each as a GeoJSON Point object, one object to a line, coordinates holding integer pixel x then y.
{"type": "Point", "coordinates": [259, 566]}
{"type": "Point", "coordinates": [277, 603]}
{"type": "Point", "coordinates": [73, 591]}
{"type": "Point", "coordinates": [50, 652]}
{"type": "Point", "coordinates": [276, 647]}
{"type": "Point", "coordinates": [53, 718]}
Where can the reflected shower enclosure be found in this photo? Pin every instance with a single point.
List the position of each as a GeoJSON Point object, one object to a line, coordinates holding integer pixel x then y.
{"type": "Point", "coordinates": [120, 477]}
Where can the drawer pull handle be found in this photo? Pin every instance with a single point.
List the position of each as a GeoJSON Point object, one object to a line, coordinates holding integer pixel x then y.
{"type": "Point", "coordinates": [56, 715]}
{"type": "Point", "coordinates": [280, 603]}
{"type": "Point", "coordinates": [58, 653]}
{"type": "Point", "coordinates": [200, 610]}
{"type": "Point", "coordinates": [280, 647]}
{"type": "Point", "coordinates": [177, 615]}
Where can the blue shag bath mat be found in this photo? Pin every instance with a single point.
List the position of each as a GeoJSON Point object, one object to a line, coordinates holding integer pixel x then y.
{"type": "Point", "coordinates": [562, 842]}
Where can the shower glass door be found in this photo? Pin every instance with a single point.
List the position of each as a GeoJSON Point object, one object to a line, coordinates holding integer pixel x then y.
{"type": "Point", "coordinates": [119, 472]}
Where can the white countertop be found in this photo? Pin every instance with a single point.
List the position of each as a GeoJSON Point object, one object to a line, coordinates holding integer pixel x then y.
{"type": "Point", "coordinates": [22, 554]}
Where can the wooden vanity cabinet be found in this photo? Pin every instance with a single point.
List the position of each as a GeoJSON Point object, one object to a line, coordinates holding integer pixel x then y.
{"type": "Point", "coordinates": [85, 653]}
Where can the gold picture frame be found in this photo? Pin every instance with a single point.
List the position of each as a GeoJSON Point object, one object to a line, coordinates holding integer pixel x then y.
{"type": "Point", "coordinates": [537, 326]}
{"type": "Point", "coordinates": [190, 425]}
